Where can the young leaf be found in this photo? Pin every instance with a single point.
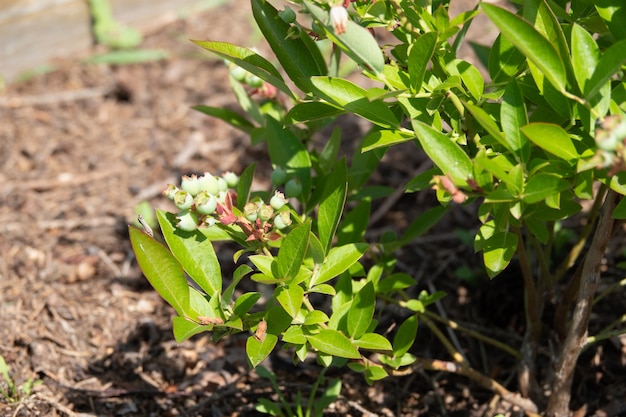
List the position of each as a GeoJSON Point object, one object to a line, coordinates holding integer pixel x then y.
{"type": "Point", "coordinates": [299, 56]}
{"type": "Point", "coordinates": [498, 248]}
{"type": "Point", "coordinates": [446, 154]}
{"type": "Point", "coordinates": [331, 205]}
{"type": "Point", "coordinates": [377, 138]}
{"type": "Point", "coordinates": [353, 98]}
{"type": "Point", "coordinates": [373, 341]}
{"type": "Point", "coordinates": [540, 186]}
{"type": "Point", "coordinates": [334, 343]}
{"type": "Point", "coordinates": [293, 250]}
{"type": "Point", "coordinates": [362, 311]}
{"type": "Point", "coordinates": [552, 138]}
{"type": "Point", "coordinates": [258, 350]}
{"type": "Point", "coordinates": [405, 336]}
{"type": "Point", "coordinates": [194, 252]}
{"type": "Point", "coordinates": [420, 53]}
{"type": "Point", "coordinates": [161, 269]}
{"type": "Point", "coordinates": [339, 259]}
{"type": "Point", "coordinates": [290, 298]}
{"type": "Point", "coordinates": [530, 42]}
{"type": "Point", "coordinates": [513, 116]}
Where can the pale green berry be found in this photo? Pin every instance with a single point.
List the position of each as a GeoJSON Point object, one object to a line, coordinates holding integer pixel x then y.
{"type": "Point", "coordinates": [209, 221]}
{"type": "Point", "coordinates": [222, 185]}
{"type": "Point", "coordinates": [287, 15]}
{"type": "Point", "coordinates": [190, 184]}
{"type": "Point", "coordinates": [278, 177]}
{"type": "Point", "coordinates": [265, 212]}
{"type": "Point", "coordinates": [205, 203]}
{"type": "Point", "coordinates": [282, 220]}
{"type": "Point", "coordinates": [254, 81]}
{"type": "Point", "coordinates": [231, 179]}
{"type": "Point", "coordinates": [209, 184]}
{"type": "Point", "coordinates": [293, 188]}
{"type": "Point", "coordinates": [278, 200]}
{"type": "Point", "coordinates": [183, 199]}
{"type": "Point", "coordinates": [187, 221]}
{"type": "Point", "coordinates": [170, 191]}
{"type": "Point", "coordinates": [250, 211]}
{"type": "Point", "coordinates": [238, 73]}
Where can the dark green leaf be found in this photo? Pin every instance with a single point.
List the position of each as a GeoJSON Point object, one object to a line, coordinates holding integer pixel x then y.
{"type": "Point", "coordinates": [405, 336]}
{"type": "Point", "coordinates": [230, 117]}
{"type": "Point", "coordinates": [331, 205]}
{"type": "Point", "coordinates": [161, 269]}
{"type": "Point", "coordinates": [312, 110]}
{"type": "Point", "coordinates": [530, 42]}
{"type": "Point", "coordinates": [245, 182]}
{"type": "Point", "coordinates": [194, 252]}
{"type": "Point", "coordinates": [610, 62]}
{"type": "Point", "coordinates": [420, 53]}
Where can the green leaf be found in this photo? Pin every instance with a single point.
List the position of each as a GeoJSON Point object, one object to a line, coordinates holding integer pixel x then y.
{"type": "Point", "coordinates": [245, 183]}
{"type": "Point", "coordinates": [290, 298]}
{"type": "Point", "coordinates": [541, 186]}
{"type": "Point", "coordinates": [620, 210]}
{"type": "Point", "coordinates": [585, 55]}
{"type": "Point", "coordinates": [373, 341]}
{"type": "Point", "coordinates": [420, 53]}
{"type": "Point", "coordinates": [498, 248]}
{"type": "Point", "coordinates": [292, 251]}
{"type": "Point", "coordinates": [394, 282]}
{"type": "Point", "coordinates": [405, 336]}
{"type": "Point", "coordinates": [334, 343]}
{"type": "Point", "coordinates": [331, 205]}
{"type": "Point", "coordinates": [299, 56]}
{"type": "Point", "coordinates": [245, 302]}
{"type": "Point", "coordinates": [161, 269]}
{"type": "Point", "coordinates": [530, 43]}
{"type": "Point", "coordinates": [258, 350]}
{"type": "Point", "coordinates": [377, 138]}
{"type": "Point", "coordinates": [504, 60]}
{"type": "Point", "coordinates": [248, 60]}
{"type": "Point", "coordinates": [610, 62]}
{"type": "Point", "coordinates": [513, 116]}
{"type": "Point", "coordinates": [339, 259]}
{"type": "Point", "coordinates": [194, 252]}
{"type": "Point", "coordinates": [328, 156]}
{"type": "Point", "coordinates": [287, 151]}
{"type": "Point", "coordinates": [183, 329]}
{"type": "Point", "coordinates": [315, 317]}
{"type": "Point", "coordinates": [446, 154]}
{"type": "Point", "coordinates": [423, 223]}
{"type": "Point", "coordinates": [354, 224]}
{"type": "Point", "coordinates": [614, 15]}
{"type": "Point", "coordinates": [312, 110]}
{"type": "Point", "coordinates": [353, 98]}
{"type": "Point", "coordinates": [357, 42]}
{"type": "Point", "coordinates": [361, 312]}
{"type": "Point", "coordinates": [471, 77]}
{"type": "Point", "coordinates": [553, 139]}
{"type": "Point", "coordinates": [230, 117]}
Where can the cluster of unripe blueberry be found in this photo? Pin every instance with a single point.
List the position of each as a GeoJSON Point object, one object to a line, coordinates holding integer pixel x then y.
{"type": "Point", "coordinates": [204, 200]}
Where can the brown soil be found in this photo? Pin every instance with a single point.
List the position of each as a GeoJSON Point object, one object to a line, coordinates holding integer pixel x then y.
{"type": "Point", "coordinates": [81, 146]}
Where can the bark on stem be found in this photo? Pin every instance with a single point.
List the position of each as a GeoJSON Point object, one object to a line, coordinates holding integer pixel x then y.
{"type": "Point", "coordinates": [558, 404]}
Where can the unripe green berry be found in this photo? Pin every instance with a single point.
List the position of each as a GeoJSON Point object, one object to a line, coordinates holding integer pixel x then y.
{"type": "Point", "coordinates": [205, 203]}
{"type": "Point", "coordinates": [190, 184]}
{"type": "Point", "coordinates": [254, 81]}
{"type": "Point", "coordinates": [278, 200]}
{"type": "Point", "coordinates": [187, 221]}
{"type": "Point", "coordinates": [231, 179]}
{"type": "Point", "coordinates": [287, 15]}
{"type": "Point", "coordinates": [209, 183]}
{"type": "Point", "coordinates": [222, 185]}
{"type": "Point", "coordinates": [183, 199]}
{"type": "Point", "coordinates": [265, 212]}
{"type": "Point", "coordinates": [238, 73]}
{"type": "Point", "coordinates": [250, 211]}
{"type": "Point", "coordinates": [209, 221]}
{"type": "Point", "coordinates": [293, 188]}
{"type": "Point", "coordinates": [170, 191]}
{"type": "Point", "coordinates": [282, 220]}
{"type": "Point", "coordinates": [278, 177]}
